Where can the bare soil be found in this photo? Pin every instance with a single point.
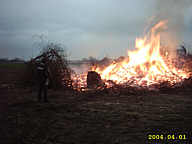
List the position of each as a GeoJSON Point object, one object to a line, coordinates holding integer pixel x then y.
{"type": "Point", "coordinates": [87, 118]}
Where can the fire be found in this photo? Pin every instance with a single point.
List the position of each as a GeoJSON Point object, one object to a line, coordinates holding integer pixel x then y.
{"type": "Point", "coordinates": [144, 66]}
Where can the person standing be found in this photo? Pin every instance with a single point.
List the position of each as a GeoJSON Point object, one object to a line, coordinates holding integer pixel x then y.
{"type": "Point", "coordinates": [43, 80]}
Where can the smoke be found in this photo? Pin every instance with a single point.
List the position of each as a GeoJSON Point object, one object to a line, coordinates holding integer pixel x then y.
{"type": "Point", "coordinates": [81, 68]}
{"type": "Point", "coordinates": [173, 11]}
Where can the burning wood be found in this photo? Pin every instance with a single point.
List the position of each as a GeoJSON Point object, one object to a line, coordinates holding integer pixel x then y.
{"type": "Point", "coordinates": [144, 67]}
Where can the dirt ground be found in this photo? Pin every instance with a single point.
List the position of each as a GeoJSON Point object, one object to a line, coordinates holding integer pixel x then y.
{"type": "Point", "coordinates": [89, 118]}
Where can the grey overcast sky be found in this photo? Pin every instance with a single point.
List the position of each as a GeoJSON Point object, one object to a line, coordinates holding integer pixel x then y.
{"type": "Point", "coordinates": [86, 27]}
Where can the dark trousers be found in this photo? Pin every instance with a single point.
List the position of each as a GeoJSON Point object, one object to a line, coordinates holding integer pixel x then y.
{"type": "Point", "coordinates": [42, 89]}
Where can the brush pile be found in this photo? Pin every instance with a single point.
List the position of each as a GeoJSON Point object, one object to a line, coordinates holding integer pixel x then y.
{"type": "Point", "coordinates": [59, 71]}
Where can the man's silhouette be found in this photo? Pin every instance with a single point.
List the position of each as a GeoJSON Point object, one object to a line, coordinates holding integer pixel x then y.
{"type": "Point", "coordinates": [43, 75]}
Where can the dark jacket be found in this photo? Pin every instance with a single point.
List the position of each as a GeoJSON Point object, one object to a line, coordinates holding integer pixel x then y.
{"type": "Point", "coordinates": [42, 72]}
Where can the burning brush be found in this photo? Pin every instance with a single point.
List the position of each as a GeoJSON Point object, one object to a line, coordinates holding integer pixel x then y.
{"type": "Point", "coordinates": [144, 67]}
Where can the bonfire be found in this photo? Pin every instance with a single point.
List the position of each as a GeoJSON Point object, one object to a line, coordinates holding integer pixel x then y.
{"type": "Point", "coordinates": [145, 66]}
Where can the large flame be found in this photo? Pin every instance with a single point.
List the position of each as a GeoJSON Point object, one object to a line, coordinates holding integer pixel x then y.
{"type": "Point", "coordinates": [144, 66]}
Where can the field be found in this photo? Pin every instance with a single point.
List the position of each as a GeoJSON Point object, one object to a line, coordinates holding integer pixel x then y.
{"type": "Point", "coordinates": [87, 118]}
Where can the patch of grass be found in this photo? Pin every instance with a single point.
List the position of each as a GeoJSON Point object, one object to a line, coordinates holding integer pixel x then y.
{"type": "Point", "coordinates": [12, 65]}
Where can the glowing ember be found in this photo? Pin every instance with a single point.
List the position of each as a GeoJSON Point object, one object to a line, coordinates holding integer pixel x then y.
{"type": "Point", "coordinates": [144, 66]}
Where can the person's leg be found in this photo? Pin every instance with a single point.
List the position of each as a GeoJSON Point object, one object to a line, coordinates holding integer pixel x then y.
{"type": "Point", "coordinates": [39, 92]}
{"type": "Point", "coordinates": [45, 94]}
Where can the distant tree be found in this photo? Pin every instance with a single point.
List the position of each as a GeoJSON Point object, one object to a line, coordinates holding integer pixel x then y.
{"type": "Point", "coordinates": [17, 60]}
{"type": "Point", "coordinates": [85, 59]}
{"type": "Point", "coordinates": [4, 60]}
{"type": "Point", "coordinates": [92, 60]}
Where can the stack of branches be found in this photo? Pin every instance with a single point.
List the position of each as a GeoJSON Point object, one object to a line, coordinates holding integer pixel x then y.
{"type": "Point", "coordinates": [56, 60]}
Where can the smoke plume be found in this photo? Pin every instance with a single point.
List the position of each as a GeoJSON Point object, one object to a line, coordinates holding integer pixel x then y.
{"type": "Point", "coordinates": [174, 12]}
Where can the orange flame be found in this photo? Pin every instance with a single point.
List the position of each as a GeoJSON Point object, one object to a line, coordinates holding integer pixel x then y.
{"type": "Point", "coordinates": [145, 65]}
